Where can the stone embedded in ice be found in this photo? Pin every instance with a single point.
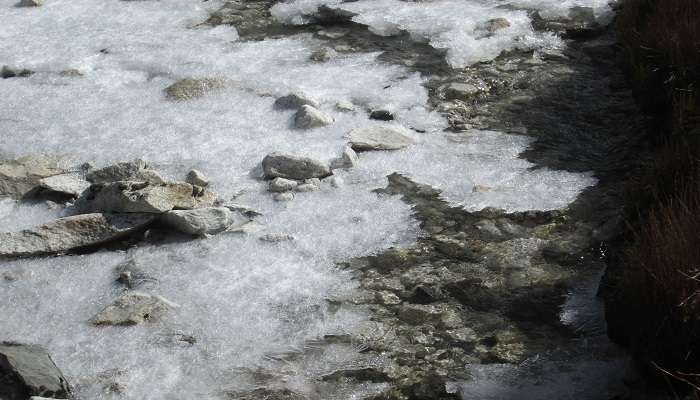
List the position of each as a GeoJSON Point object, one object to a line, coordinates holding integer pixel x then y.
{"type": "Point", "coordinates": [295, 101]}
{"type": "Point", "coordinates": [379, 138]}
{"type": "Point", "coordinates": [308, 117]}
{"type": "Point", "coordinates": [207, 220]}
{"type": "Point", "coordinates": [192, 88]}
{"type": "Point", "coordinates": [461, 91]}
{"type": "Point", "coordinates": [30, 3]}
{"type": "Point", "coordinates": [290, 166]}
{"type": "Point", "coordinates": [279, 185]}
{"type": "Point", "coordinates": [323, 55]}
{"type": "Point", "coordinates": [347, 159]}
{"type": "Point", "coordinates": [133, 308]}
{"type": "Point", "coordinates": [282, 197]}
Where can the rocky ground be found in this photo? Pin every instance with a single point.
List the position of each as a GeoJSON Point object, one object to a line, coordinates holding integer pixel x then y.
{"type": "Point", "coordinates": [485, 304]}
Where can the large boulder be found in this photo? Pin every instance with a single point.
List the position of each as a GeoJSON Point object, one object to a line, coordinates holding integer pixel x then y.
{"type": "Point", "coordinates": [133, 308]}
{"type": "Point", "coordinates": [309, 117]}
{"type": "Point", "coordinates": [208, 220]}
{"type": "Point", "coordinates": [65, 234]}
{"type": "Point", "coordinates": [379, 138]}
{"type": "Point", "coordinates": [28, 370]}
{"type": "Point", "coordinates": [143, 197]}
{"type": "Point", "coordinates": [21, 176]}
{"type": "Point", "coordinates": [289, 166]}
{"type": "Point", "coordinates": [136, 170]}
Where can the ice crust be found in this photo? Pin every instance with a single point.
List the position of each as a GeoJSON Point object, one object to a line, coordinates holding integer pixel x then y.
{"type": "Point", "coordinates": [240, 297]}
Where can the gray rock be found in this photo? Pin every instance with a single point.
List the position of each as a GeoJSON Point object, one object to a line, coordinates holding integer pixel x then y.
{"type": "Point", "coordinates": [276, 237]}
{"type": "Point", "coordinates": [281, 197]}
{"type": "Point", "coordinates": [208, 220]}
{"type": "Point", "coordinates": [289, 166]}
{"type": "Point", "coordinates": [142, 197]}
{"type": "Point", "coordinates": [489, 227]}
{"type": "Point", "coordinates": [381, 115]}
{"type": "Point", "coordinates": [307, 187]}
{"type": "Point", "coordinates": [496, 24]}
{"type": "Point", "coordinates": [294, 101]}
{"type": "Point", "coordinates": [347, 159]}
{"type": "Point", "coordinates": [196, 177]}
{"type": "Point", "coordinates": [21, 176]}
{"type": "Point", "coordinates": [67, 184]}
{"type": "Point", "coordinates": [136, 170]}
{"type": "Point", "coordinates": [133, 308]}
{"type": "Point", "coordinates": [28, 370]}
{"type": "Point", "coordinates": [379, 138]}
{"type": "Point", "coordinates": [243, 209]}
{"type": "Point", "coordinates": [30, 3]}
{"type": "Point", "coordinates": [280, 185]}
{"type": "Point", "coordinates": [192, 88]}
{"type": "Point", "coordinates": [345, 105]}
{"type": "Point", "coordinates": [65, 234]}
{"type": "Point", "coordinates": [417, 314]}
{"type": "Point", "coordinates": [131, 275]}
{"type": "Point", "coordinates": [480, 189]}
{"type": "Point", "coordinates": [8, 72]}
{"type": "Point", "coordinates": [461, 91]}
{"type": "Point", "coordinates": [323, 55]}
{"type": "Point", "coordinates": [308, 117]}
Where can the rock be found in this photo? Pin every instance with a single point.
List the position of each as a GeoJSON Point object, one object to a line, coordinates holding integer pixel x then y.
{"type": "Point", "coordinates": [30, 3]}
{"type": "Point", "coordinates": [336, 181]}
{"type": "Point", "coordinates": [387, 298]}
{"type": "Point", "coordinates": [417, 314]}
{"type": "Point", "coordinates": [381, 115]}
{"type": "Point", "coordinates": [307, 187]}
{"type": "Point", "coordinates": [195, 177]}
{"type": "Point", "coordinates": [66, 184]}
{"type": "Point", "coordinates": [208, 220]}
{"type": "Point", "coordinates": [142, 197]}
{"type": "Point", "coordinates": [323, 55]}
{"type": "Point", "coordinates": [65, 234]}
{"type": "Point", "coordinates": [133, 308]}
{"type": "Point", "coordinates": [276, 237]}
{"type": "Point", "coordinates": [293, 167]}
{"type": "Point", "coordinates": [192, 88]}
{"type": "Point", "coordinates": [379, 138]}
{"type": "Point", "coordinates": [136, 170]}
{"type": "Point", "coordinates": [346, 160]}
{"type": "Point", "coordinates": [294, 101]}
{"type": "Point", "coordinates": [7, 72]}
{"type": "Point", "coordinates": [21, 176]}
{"type": "Point", "coordinates": [497, 24]}
{"type": "Point", "coordinates": [563, 252]}
{"type": "Point", "coordinates": [243, 209]}
{"type": "Point", "coordinates": [345, 105]}
{"type": "Point", "coordinates": [280, 185]}
{"type": "Point", "coordinates": [489, 227]}
{"type": "Point", "coordinates": [286, 196]}
{"type": "Point", "coordinates": [130, 275]}
{"type": "Point", "coordinates": [266, 394]}
{"type": "Point", "coordinates": [28, 370]}
{"type": "Point", "coordinates": [71, 73]}
{"type": "Point", "coordinates": [308, 117]}
{"type": "Point", "coordinates": [461, 91]}
{"type": "Point", "coordinates": [480, 189]}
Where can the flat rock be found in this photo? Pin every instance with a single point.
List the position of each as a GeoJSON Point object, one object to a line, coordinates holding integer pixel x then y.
{"type": "Point", "coordinates": [461, 91]}
{"type": "Point", "coordinates": [136, 170]}
{"type": "Point", "coordinates": [142, 197]}
{"type": "Point", "coordinates": [207, 220]}
{"type": "Point", "coordinates": [192, 88]}
{"type": "Point", "coordinates": [347, 159]}
{"type": "Point", "coordinates": [67, 184]}
{"type": "Point", "coordinates": [289, 166]}
{"type": "Point", "coordinates": [294, 101]}
{"type": "Point", "coordinates": [21, 176]}
{"type": "Point", "coordinates": [379, 138]}
{"type": "Point", "coordinates": [28, 370]}
{"type": "Point", "coordinates": [196, 177]}
{"type": "Point", "coordinates": [65, 234]}
{"type": "Point", "coordinates": [308, 117]}
{"type": "Point", "coordinates": [133, 308]}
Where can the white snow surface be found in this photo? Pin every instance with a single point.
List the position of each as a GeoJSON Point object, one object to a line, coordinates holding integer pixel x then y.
{"type": "Point", "coordinates": [240, 297]}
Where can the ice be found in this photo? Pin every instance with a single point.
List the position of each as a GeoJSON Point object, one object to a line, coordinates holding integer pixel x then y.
{"type": "Point", "coordinates": [240, 297]}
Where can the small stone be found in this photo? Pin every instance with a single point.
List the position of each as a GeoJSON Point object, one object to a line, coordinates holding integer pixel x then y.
{"type": "Point", "coordinates": [461, 91]}
{"type": "Point", "coordinates": [130, 275]}
{"type": "Point", "coordinates": [196, 177]}
{"type": "Point", "coordinates": [463, 334]}
{"type": "Point", "coordinates": [417, 314]}
{"type": "Point", "coordinates": [293, 167]}
{"type": "Point", "coordinates": [489, 227]}
{"type": "Point", "coordinates": [136, 170]}
{"type": "Point", "coordinates": [345, 106]}
{"type": "Point", "coordinates": [192, 88]}
{"type": "Point", "coordinates": [323, 55]}
{"type": "Point", "coordinates": [280, 185]}
{"type": "Point", "coordinates": [347, 159]}
{"type": "Point", "coordinates": [7, 72]}
{"type": "Point", "coordinates": [294, 101]}
{"type": "Point", "coordinates": [307, 187]}
{"type": "Point", "coordinates": [281, 197]}
{"type": "Point", "coordinates": [380, 138]}
{"type": "Point", "coordinates": [497, 24]}
{"type": "Point", "coordinates": [276, 237]}
{"type": "Point", "coordinates": [308, 117]}
{"type": "Point", "coordinates": [71, 73]}
{"type": "Point", "coordinates": [331, 34]}
{"type": "Point", "coordinates": [381, 115]}
{"type": "Point", "coordinates": [480, 189]}
{"type": "Point", "coordinates": [386, 298]}
{"type": "Point", "coordinates": [133, 308]}
{"type": "Point", "coordinates": [30, 3]}
{"type": "Point", "coordinates": [202, 221]}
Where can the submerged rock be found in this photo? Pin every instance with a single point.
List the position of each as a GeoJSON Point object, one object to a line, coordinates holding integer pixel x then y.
{"type": "Point", "coordinates": [197, 178]}
{"type": "Point", "coordinates": [65, 234]}
{"type": "Point", "coordinates": [208, 220]}
{"type": "Point", "coordinates": [142, 197]}
{"type": "Point", "coordinates": [28, 370]}
{"type": "Point", "coordinates": [21, 176]}
{"type": "Point", "coordinates": [289, 166]}
{"type": "Point", "coordinates": [379, 138]}
{"type": "Point", "coordinates": [496, 24]}
{"type": "Point", "coordinates": [347, 159]}
{"type": "Point", "coordinates": [133, 308]}
{"type": "Point", "coordinates": [66, 184]}
{"type": "Point", "coordinates": [136, 170]}
{"type": "Point", "coordinates": [308, 117]}
{"type": "Point", "coordinates": [192, 88]}
{"type": "Point", "coordinates": [294, 101]}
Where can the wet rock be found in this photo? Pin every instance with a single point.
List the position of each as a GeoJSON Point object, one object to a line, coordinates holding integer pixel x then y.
{"type": "Point", "coordinates": [67, 184]}
{"type": "Point", "coordinates": [418, 314]}
{"type": "Point", "coordinates": [367, 374]}
{"type": "Point", "coordinates": [386, 298]}
{"type": "Point", "coordinates": [142, 197]}
{"type": "Point", "coordinates": [133, 308]}
{"type": "Point", "coordinates": [562, 252]}
{"type": "Point", "coordinates": [276, 237]}
{"type": "Point", "coordinates": [294, 101]}
{"type": "Point", "coordinates": [197, 178]}
{"type": "Point", "coordinates": [381, 115]}
{"type": "Point", "coordinates": [455, 248]}
{"type": "Point", "coordinates": [282, 197]}
{"type": "Point", "coordinates": [136, 170]}
{"type": "Point", "coordinates": [192, 88]}
{"type": "Point", "coordinates": [462, 334]}
{"type": "Point", "coordinates": [497, 24]}
{"type": "Point", "coordinates": [323, 55]}
{"type": "Point", "coordinates": [281, 185]}
{"type": "Point", "coordinates": [480, 189]}
{"type": "Point", "coordinates": [379, 138]}
{"type": "Point", "coordinates": [21, 176]}
{"type": "Point", "coordinates": [69, 233]}
{"type": "Point", "coordinates": [28, 370]}
{"type": "Point", "coordinates": [289, 166]}
{"type": "Point", "coordinates": [347, 159]}
{"type": "Point", "coordinates": [71, 73]}
{"type": "Point", "coordinates": [131, 275]}
{"type": "Point", "coordinates": [30, 3]}
{"type": "Point", "coordinates": [202, 221]}
{"type": "Point", "coordinates": [461, 91]}
{"type": "Point", "coordinates": [308, 117]}
{"type": "Point", "coordinates": [489, 227]}
{"type": "Point", "coordinates": [8, 72]}
{"type": "Point", "coordinates": [267, 394]}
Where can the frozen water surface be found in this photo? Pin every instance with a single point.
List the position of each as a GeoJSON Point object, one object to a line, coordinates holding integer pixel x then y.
{"type": "Point", "coordinates": [239, 297]}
